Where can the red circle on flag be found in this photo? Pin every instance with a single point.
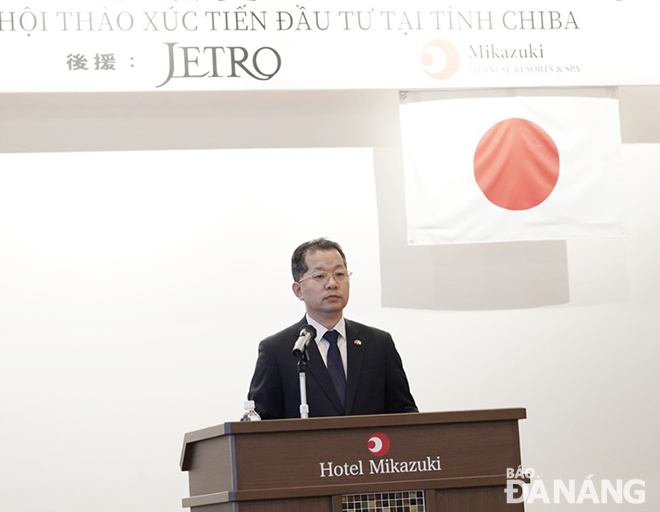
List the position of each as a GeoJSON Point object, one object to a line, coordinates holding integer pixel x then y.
{"type": "Point", "coordinates": [516, 164]}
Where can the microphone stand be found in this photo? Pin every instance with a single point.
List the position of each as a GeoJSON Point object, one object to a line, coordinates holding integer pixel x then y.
{"type": "Point", "coordinates": [302, 378]}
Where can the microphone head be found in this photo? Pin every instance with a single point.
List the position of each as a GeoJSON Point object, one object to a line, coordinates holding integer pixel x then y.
{"type": "Point", "coordinates": [308, 329]}
{"type": "Point", "coordinates": [307, 333]}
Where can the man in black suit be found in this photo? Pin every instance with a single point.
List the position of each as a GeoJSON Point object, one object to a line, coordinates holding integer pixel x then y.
{"type": "Point", "coordinates": [353, 369]}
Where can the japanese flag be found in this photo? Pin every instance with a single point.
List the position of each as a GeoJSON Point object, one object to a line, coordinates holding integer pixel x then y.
{"type": "Point", "coordinates": [485, 166]}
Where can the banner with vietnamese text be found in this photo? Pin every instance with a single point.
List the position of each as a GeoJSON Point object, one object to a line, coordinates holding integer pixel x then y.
{"type": "Point", "coordinates": [115, 45]}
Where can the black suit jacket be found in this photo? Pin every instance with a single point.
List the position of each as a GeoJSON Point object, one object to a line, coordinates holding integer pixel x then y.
{"type": "Point", "coordinates": [376, 383]}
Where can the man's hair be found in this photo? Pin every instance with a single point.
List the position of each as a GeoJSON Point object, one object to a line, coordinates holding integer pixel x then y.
{"type": "Point", "coordinates": [298, 267]}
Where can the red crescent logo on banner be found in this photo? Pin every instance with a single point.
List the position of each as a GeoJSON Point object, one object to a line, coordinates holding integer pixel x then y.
{"type": "Point", "coordinates": [440, 59]}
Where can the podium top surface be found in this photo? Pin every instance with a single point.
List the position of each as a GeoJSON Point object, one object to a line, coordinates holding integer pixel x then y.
{"type": "Point", "coordinates": [346, 422]}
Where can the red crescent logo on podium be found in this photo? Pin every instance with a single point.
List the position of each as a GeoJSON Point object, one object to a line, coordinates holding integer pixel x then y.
{"type": "Point", "coordinates": [378, 444]}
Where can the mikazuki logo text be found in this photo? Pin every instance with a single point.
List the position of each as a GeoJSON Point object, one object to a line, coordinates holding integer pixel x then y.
{"type": "Point", "coordinates": [378, 444]}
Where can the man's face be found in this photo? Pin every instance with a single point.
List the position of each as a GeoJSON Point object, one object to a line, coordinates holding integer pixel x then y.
{"type": "Point", "coordinates": [327, 298]}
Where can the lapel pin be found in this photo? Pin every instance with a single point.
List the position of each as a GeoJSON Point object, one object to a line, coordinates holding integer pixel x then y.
{"type": "Point", "coordinates": [357, 342]}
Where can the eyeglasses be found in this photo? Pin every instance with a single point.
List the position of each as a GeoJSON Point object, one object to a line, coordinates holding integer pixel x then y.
{"type": "Point", "coordinates": [340, 276]}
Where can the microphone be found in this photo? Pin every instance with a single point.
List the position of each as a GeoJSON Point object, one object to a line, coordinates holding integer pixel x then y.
{"type": "Point", "coordinates": [307, 334]}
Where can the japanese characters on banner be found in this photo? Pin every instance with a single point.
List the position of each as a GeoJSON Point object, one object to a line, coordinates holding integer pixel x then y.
{"type": "Point", "coordinates": [117, 45]}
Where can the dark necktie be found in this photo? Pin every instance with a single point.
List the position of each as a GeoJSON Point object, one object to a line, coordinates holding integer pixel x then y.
{"type": "Point", "coordinates": [335, 366]}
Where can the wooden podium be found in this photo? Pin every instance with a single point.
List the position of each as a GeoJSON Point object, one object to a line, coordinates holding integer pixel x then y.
{"type": "Point", "coordinates": [420, 462]}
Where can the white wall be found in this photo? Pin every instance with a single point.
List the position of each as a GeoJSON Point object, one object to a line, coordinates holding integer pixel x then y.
{"type": "Point", "coordinates": [134, 288]}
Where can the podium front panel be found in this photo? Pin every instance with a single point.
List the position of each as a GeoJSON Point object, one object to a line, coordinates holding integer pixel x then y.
{"type": "Point", "coordinates": [423, 462]}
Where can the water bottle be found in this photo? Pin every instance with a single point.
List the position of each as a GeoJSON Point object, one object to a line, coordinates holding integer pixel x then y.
{"type": "Point", "coordinates": [250, 413]}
